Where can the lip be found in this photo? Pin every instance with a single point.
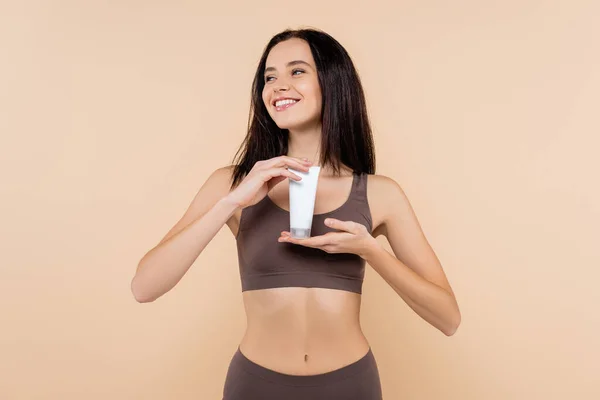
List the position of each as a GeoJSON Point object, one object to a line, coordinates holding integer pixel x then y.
{"type": "Point", "coordinates": [282, 98]}
{"type": "Point", "coordinates": [287, 106]}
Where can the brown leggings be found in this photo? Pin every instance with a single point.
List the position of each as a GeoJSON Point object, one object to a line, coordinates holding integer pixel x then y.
{"type": "Point", "coordinates": [247, 380]}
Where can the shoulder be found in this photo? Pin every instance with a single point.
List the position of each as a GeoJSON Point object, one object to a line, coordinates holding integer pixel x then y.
{"type": "Point", "coordinates": [221, 177]}
{"type": "Point", "coordinates": [224, 172]}
{"type": "Point", "coordinates": [386, 199]}
{"type": "Point", "coordinates": [383, 189]}
{"type": "Point", "coordinates": [215, 186]}
{"type": "Point", "coordinates": [211, 191]}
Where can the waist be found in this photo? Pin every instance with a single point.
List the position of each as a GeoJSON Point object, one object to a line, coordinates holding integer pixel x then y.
{"type": "Point", "coordinates": [303, 331]}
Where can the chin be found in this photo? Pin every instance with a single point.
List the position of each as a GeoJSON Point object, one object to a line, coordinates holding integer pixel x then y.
{"type": "Point", "coordinates": [295, 124]}
{"type": "Point", "coordinates": [292, 126]}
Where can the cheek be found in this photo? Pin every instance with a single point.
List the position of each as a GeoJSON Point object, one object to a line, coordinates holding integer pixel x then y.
{"type": "Point", "coordinates": [310, 90]}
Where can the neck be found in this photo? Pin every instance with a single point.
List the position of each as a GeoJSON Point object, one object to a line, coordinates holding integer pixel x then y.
{"type": "Point", "coordinates": [305, 144]}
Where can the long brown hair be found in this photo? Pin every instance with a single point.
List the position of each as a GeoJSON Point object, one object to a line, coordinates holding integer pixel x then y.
{"type": "Point", "coordinates": [346, 131]}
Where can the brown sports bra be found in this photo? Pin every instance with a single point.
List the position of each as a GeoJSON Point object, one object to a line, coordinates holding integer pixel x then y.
{"type": "Point", "coordinates": [265, 263]}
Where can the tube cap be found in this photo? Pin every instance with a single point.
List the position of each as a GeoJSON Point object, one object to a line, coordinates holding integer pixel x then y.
{"type": "Point", "coordinates": [299, 233]}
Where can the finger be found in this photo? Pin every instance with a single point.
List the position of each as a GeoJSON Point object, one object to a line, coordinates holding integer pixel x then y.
{"type": "Point", "coordinates": [275, 181]}
{"type": "Point", "coordinates": [276, 176]}
{"type": "Point", "coordinates": [347, 226]}
{"type": "Point", "coordinates": [314, 241]}
{"type": "Point", "coordinates": [276, 172]}
{"type": "Point", "coordinates": [286, 161]}
{"type": "Point", "coordinates": [329, 248]}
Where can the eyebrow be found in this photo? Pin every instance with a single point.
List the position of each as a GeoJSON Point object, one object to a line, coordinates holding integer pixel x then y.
{"type": "Point", "coordinates": [295, 62]}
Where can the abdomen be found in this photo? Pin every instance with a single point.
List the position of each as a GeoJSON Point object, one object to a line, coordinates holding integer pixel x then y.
{"type": "Point", "coordinates": [303, 331]}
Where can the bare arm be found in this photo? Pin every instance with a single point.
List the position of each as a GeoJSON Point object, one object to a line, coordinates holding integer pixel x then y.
{"type": "Point", "coordinates": [414, 270]}
{"type": "Point", "coordinates": [164, 266]}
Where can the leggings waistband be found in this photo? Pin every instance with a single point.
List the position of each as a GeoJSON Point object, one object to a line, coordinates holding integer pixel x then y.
{"type": "Point", "coordinates": [357, 367]}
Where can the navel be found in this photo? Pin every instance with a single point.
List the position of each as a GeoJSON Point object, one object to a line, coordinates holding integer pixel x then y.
{"type": "Point", "coordinates": [305, 357]}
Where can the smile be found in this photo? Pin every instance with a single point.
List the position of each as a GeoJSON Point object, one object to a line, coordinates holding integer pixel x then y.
{"type": "Point", "coordinates": [286, 105]}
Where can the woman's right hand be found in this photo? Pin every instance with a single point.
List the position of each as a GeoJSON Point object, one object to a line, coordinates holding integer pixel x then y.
{"type": "Point", "coordinates": [263, 176]}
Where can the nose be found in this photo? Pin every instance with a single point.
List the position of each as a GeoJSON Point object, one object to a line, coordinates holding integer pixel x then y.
{"type": "Point", "coordinates": [280, 85]}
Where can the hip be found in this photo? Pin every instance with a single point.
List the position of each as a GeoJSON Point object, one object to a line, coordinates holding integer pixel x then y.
{"type": "Point", "coordinates": [247, 379]}
{"type": "Point", "coordinates": [304, 354]}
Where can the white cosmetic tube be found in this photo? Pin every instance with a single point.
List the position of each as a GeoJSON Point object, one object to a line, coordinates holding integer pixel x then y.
{"type": "Point", "coordinates": [302, 202]}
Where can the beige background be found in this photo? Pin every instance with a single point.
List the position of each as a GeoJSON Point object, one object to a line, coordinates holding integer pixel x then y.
{"type": "Point", "coordinates": [114, 113]}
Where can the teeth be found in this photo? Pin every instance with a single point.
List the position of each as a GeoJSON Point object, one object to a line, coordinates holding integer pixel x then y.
{"type": "Point", "coordinates": [284, 102]}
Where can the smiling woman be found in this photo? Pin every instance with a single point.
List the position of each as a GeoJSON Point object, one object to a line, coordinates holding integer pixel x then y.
{"type": "Point", "coordinates": [302, 297]}
{"type": "Point", "coordinates": [292, 83]}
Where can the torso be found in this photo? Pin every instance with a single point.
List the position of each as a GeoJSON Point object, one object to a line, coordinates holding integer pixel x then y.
{"type": "Point", "coordinates": [307, 331]}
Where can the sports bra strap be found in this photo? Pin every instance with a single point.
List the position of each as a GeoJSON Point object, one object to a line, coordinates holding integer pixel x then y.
{"type": "Point", "coordinates": [359, 187]}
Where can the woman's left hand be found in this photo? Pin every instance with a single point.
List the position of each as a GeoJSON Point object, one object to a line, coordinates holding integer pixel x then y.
{"type": "Point", "coordinates": [351, 238]}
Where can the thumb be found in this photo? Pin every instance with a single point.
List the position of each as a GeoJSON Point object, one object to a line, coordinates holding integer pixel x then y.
{"type": "Point", "coordinates": [332, 222]}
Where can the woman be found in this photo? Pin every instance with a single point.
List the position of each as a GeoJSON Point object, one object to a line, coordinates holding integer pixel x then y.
{"type": "Point", "coordinates": [302, 296]}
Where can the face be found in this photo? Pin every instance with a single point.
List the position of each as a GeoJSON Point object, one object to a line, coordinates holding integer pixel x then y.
{"type": "Point", "coordinates": [290, 72]}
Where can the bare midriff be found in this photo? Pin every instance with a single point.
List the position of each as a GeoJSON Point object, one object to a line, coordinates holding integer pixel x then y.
{"type": "Point", "coordinates": [303, 331]}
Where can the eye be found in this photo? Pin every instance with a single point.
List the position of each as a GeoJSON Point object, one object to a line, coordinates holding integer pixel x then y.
{"type": "Point", "coordinates": [293, 72]}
